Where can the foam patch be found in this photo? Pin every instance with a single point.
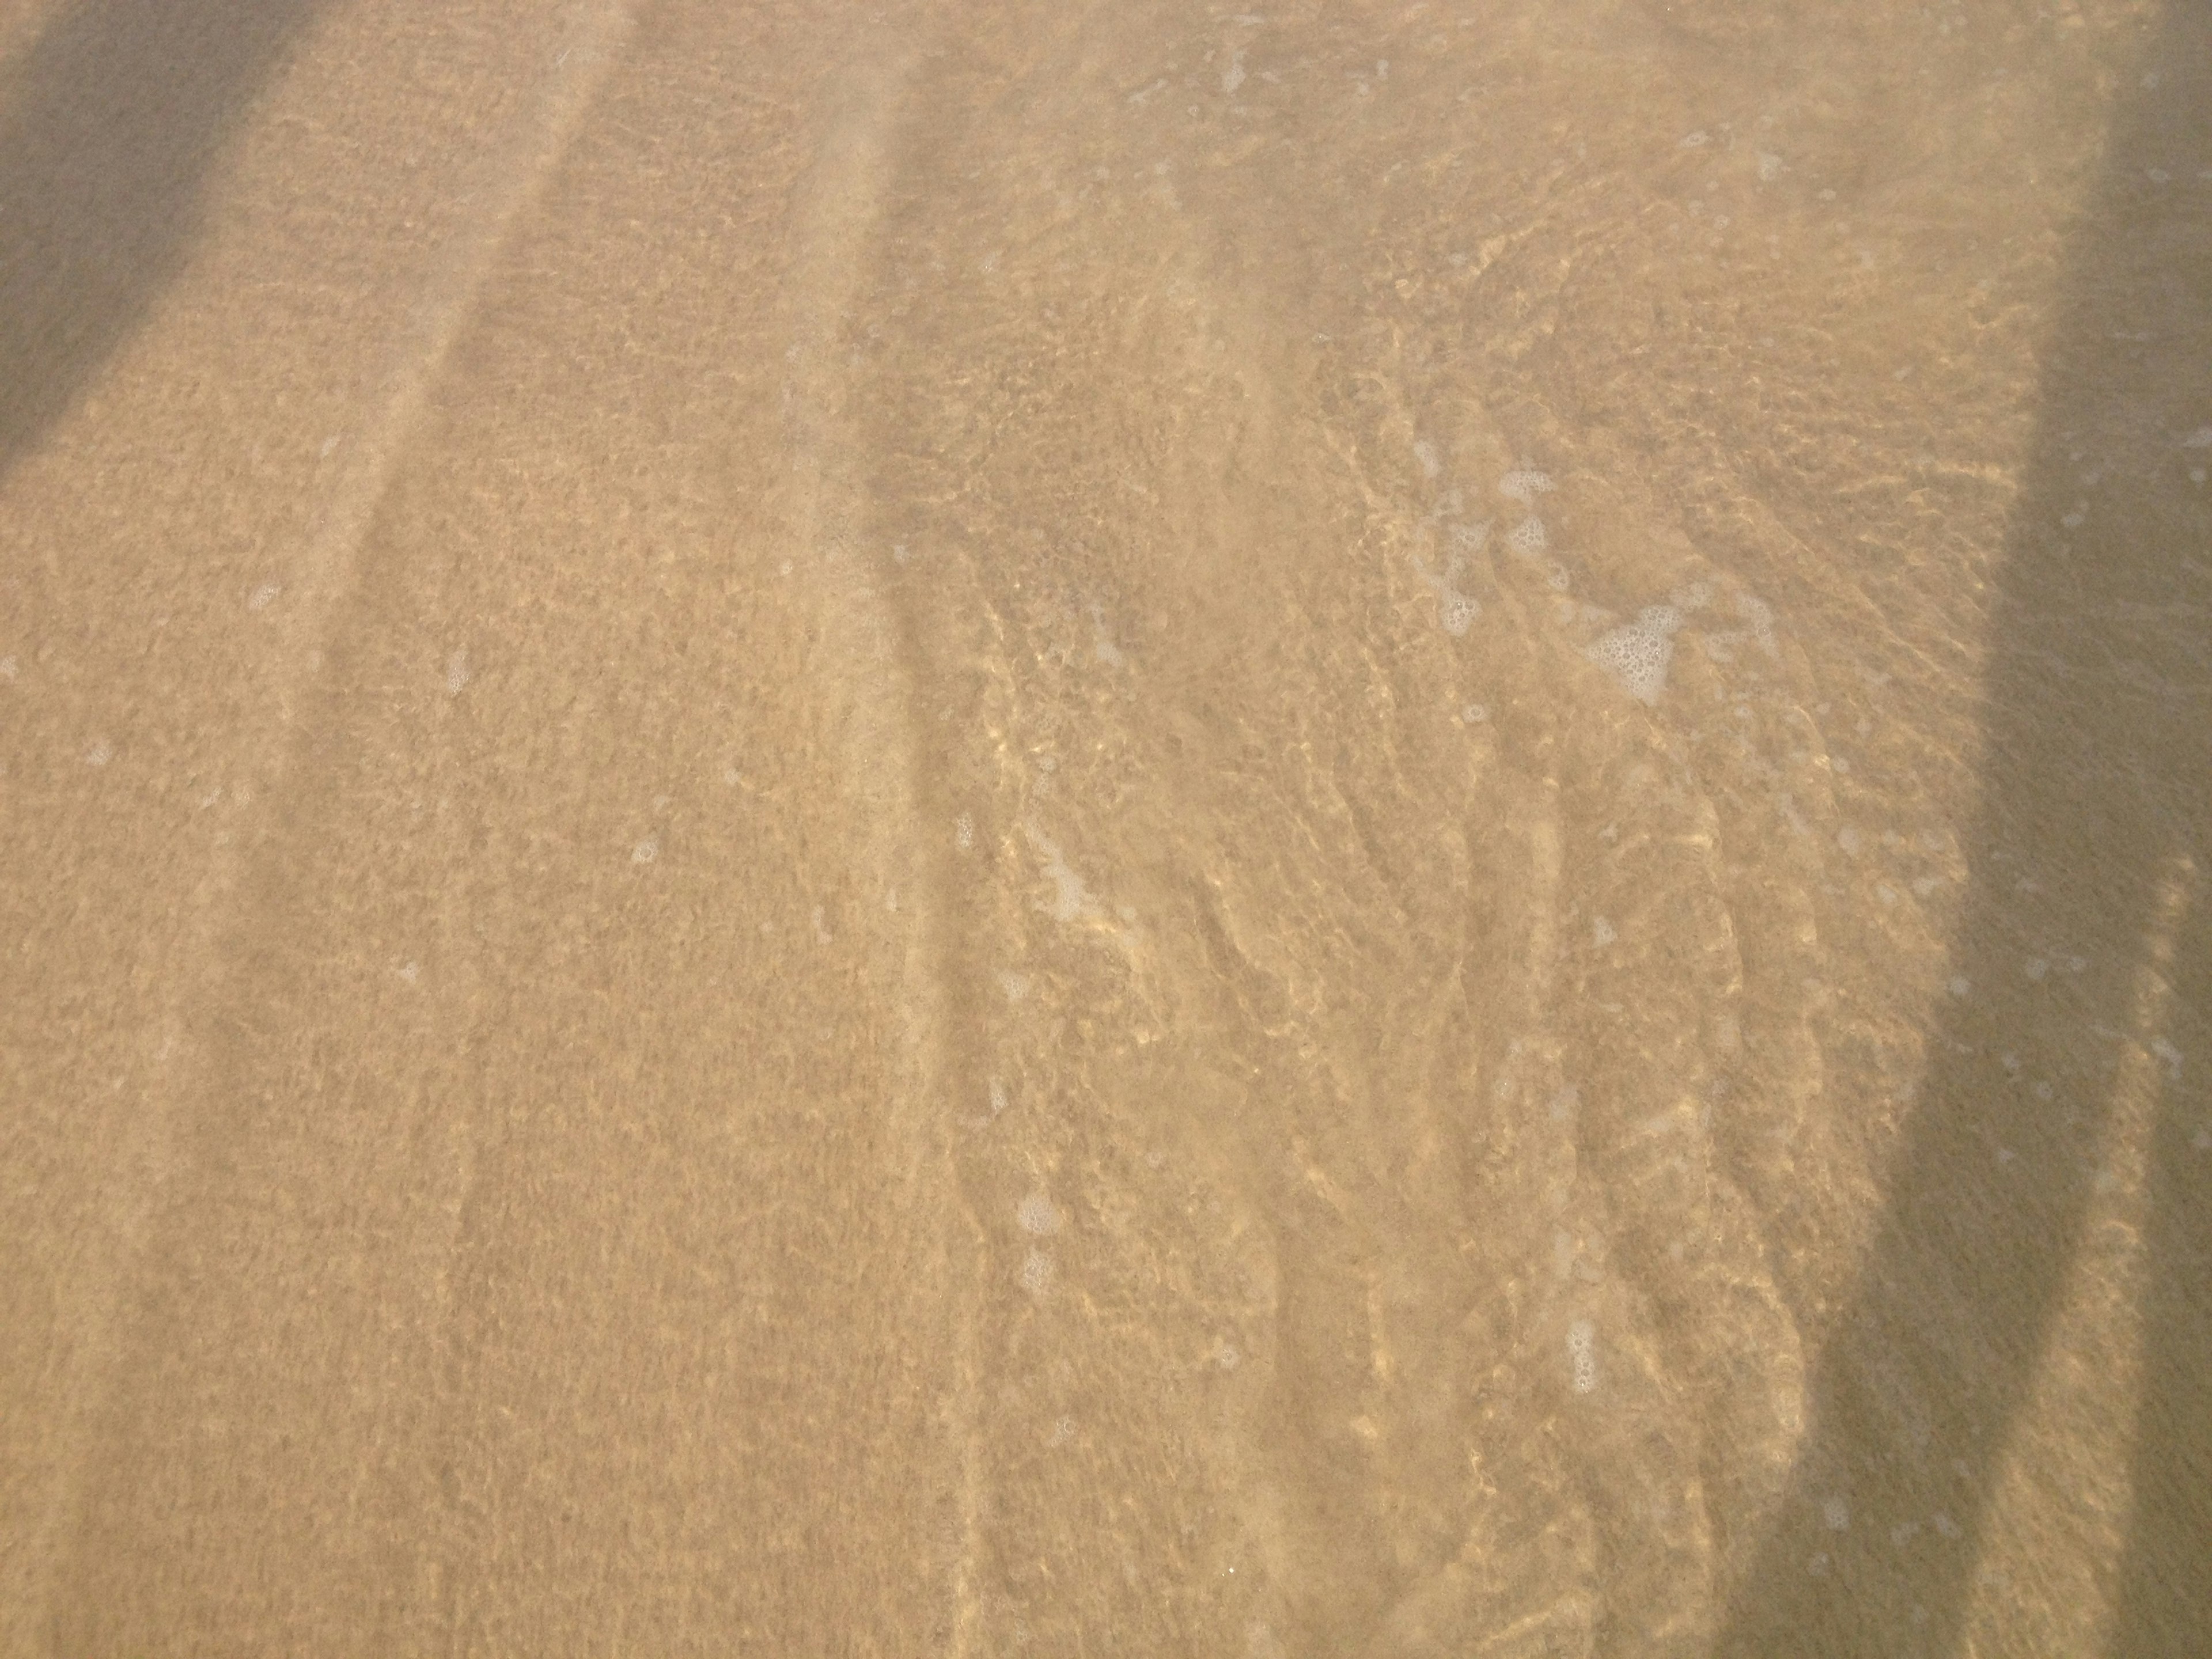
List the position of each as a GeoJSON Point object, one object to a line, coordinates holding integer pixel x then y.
{"type": "Point", "coordinates": [1636, 655]}
{"type": "Point", "coordinates": [1524, 486]}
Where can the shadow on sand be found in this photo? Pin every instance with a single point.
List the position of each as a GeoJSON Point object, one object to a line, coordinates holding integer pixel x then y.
{"type": "Point", "coordinates": [109, 122]}
{"type": "Point", "coordinates": [2086, 939]}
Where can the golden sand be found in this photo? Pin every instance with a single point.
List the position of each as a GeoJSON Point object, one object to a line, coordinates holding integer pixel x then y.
{"type": "Point", "coordinates": [1057, 829]}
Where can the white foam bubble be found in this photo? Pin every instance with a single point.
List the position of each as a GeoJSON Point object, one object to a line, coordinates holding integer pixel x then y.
{"type": "Point", "coordinates": [1469, 539]}
{"type": "Point", "coordinates": [1071, 899]}
{"type": "Point", "coordinates": [99, 754]}
{"type": "Point", "coordinates": [1524, 485]}
{"type": "Point", "coordinates": [261, 596]}
{"type": "Point", "coordinates": [963, 832]}
{"type": "Point", "coordinates": [1582, 1355]}
{"type": "Point", "coordinates": [1758, 616]}
{"type": "Point", "coordinates": [1037, 1216]}
{"type": "Point", "coordinates": [645, 851]}
{"type": "Point", "coordinates": [1036, 1272]}
{"type": "Point", "coordinates": [1529, 540]}
{"type": "Point", "coordinates": [1455, 610]}
{"type": "Point", "coordinates": [1637, 653]}
{"type": "Point", "coordinates": [1425, 454]}
{"type": "Point", "coordinates": [456, 672]}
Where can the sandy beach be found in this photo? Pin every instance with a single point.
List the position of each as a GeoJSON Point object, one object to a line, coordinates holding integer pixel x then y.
{"type": "Point", "coordinates": [1054, 829]}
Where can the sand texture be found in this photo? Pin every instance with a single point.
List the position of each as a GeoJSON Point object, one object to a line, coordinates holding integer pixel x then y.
{"type": "Point", "coordinates": [1000, 829]}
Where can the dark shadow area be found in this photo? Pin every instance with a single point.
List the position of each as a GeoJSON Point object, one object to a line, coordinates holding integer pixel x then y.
{"type": "Point", "coordinates": [2090, 907]}
{"type": "Point", "coordinates": [109, 122]}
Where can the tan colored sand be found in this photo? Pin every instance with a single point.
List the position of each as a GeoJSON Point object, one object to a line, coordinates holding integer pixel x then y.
{"type": "Point", "coordinates": [1371, 830]}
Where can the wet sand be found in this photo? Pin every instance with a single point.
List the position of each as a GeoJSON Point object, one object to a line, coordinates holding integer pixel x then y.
{"type": "Point", "coordinates": [1352, 830]}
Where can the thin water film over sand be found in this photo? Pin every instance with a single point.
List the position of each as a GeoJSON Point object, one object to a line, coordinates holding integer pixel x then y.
{"type": "Point", "coordinates": [1359, 829]}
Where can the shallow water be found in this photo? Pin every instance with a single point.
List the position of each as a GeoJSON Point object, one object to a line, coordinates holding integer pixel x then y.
{"type": "Point", "coordinates": [1352, 830]}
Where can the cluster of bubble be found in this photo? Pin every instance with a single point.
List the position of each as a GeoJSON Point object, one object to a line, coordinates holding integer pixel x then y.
{"type": "Point", "coordinates": [1582, 1355]}
{"type": "Point", "coordinates": [1037, 1216]}
{"type": "Point", "coordinates": [1036, 1272]}
{"type": "Point", "coordinates": [1528, 540]}
{"type": "Point", "coordinates": [1457, 611]}
{"type": "Point", "coordinates": [1072, 899]}
{"type": "Point", "coordinates": [1523, 484]}
{"type": "Point", "coordinates": [1636, 655]}
{"type": "Point", "coordinates": [1757, 616]}
{"type": "Point", "coordinates": [1454, 610]}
